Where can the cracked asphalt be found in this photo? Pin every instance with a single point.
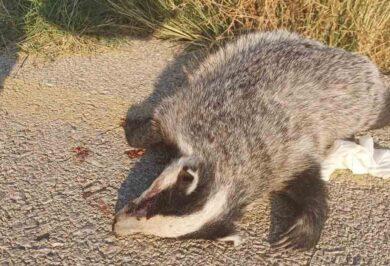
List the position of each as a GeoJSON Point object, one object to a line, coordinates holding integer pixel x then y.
{"type": "Point", "coordinates": [64, 171]}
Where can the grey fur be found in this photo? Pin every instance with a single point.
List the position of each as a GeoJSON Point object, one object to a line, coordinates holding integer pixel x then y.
{"type": "Point", "coordinates": [262, 113]}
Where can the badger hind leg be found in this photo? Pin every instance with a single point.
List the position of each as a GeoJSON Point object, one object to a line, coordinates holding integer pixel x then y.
{"type": "Point", "coordinates": [307, 194]}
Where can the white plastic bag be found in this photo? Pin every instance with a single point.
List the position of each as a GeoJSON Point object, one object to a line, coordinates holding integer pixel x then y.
{"type": "Point", "coordinates": [360, 158]}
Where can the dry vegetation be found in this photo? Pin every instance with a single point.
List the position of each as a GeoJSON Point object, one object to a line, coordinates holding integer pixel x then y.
{"type": "Point", "coordinates": [54, 27]}
{"type": "Point", "coordinates": [355, 25]}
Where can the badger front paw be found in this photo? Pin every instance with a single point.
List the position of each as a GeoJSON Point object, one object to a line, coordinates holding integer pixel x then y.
{"type": "Point", "coordinates": [303, 234]}
{"type": "Point", "coordinates": [306, 194]}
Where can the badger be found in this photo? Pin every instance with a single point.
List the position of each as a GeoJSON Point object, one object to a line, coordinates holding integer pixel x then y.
{"type": "Point", "coordinates": [256, 118]}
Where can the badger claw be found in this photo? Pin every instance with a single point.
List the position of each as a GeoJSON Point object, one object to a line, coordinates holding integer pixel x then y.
{"type": "Point", "coordinates": [300, 236]}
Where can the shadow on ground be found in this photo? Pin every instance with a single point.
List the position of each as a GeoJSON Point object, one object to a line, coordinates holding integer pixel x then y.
{"type": "Point", "coordinates": [172, 79]}
{"type": "Point", "coordinates": [142, 174]}
{"type": "Point", "coordinates": [7, 61]}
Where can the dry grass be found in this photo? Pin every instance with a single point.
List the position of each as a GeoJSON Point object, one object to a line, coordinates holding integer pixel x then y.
{"type": "Point", "coordinates": [52, 26]}
{"type": "Point", "coordinates": [355, 25]}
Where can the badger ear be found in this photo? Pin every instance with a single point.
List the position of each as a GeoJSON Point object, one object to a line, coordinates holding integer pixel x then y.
{"type": "Point", "coordinates": [188, 180]}
{"type": "Point", "coordinates": [188, 177]}
{"type": "Point", "coordinates": [181, 174]}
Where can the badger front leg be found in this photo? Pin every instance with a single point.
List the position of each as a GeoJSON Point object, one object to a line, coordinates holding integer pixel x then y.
{"type": "Point", "coordinates": [307, 193]}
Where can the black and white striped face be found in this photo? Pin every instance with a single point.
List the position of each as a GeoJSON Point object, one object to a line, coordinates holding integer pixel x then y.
{"type": "Point", "coordinates": [182, 203]}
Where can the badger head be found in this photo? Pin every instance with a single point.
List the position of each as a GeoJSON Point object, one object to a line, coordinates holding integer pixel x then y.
{"type": "Point", "coordinates": [185, 201]}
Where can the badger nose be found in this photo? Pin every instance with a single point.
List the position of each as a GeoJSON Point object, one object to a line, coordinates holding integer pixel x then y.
{"type": "Point", "coordinates": [118, 216]}
{"type": "Point", "coordinates": [124, 221]}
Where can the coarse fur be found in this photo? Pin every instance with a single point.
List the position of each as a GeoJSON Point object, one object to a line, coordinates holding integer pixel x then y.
{"type": "Point", "coordinates": [257, 117]}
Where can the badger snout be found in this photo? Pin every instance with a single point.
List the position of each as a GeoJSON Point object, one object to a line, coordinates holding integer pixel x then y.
{"type": "Point", "coordinates": [126, 222]}
{"type": "Point", "coordinates": [130, 219]}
